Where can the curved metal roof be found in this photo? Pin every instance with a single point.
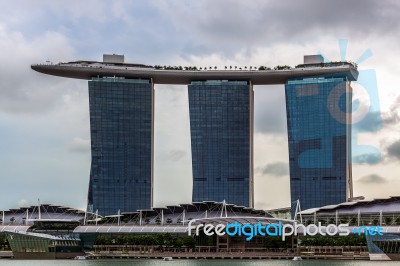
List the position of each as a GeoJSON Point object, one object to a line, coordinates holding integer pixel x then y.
{"type": "Point", "coordinates": [390, 204]}
{"type": "Point", "coordinates": [181, 228]}
{"type": "Point", "coordinates": [14, 228]}
{"type": "Point", "coordinates": [45, 236]}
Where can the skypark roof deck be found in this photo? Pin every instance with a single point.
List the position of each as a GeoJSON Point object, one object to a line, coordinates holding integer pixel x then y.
{"type": "Point", "coordinates": [89, 69]}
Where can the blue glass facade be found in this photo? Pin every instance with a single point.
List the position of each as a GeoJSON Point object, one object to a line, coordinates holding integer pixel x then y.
{"type": "Point", "coordinates": [221, 127]}
{"type": "Point", "coordinates": [319, 123]}
{"type": "Point", "coordinates": [121, 127]}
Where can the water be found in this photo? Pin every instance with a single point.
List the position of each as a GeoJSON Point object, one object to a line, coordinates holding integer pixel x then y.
{"type": "Point", "coordinates": [147, 262]}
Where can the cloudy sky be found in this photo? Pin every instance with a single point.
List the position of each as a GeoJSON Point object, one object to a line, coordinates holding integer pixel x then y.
{"type": "Point", "coordinates": [44, 120]}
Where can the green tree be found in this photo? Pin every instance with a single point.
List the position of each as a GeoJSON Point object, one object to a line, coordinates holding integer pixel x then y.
{"type": "Point", "coordinates": [103, 240]}
{"type": "Point", "coordinates": [4, 243]}
{"type": "Point", "coordinates": [168, 240]}
{"type": "Point", "coordinates": [333, 241]}
{"type": "Point", "coordinates": [285, 67]}
{"type": "Point", "coordinates": [276, 242]}
{"type": "Point", "coordinates": [344, 220]}
{"type": "Point", "coordinates": [189, 241]}
{"type": "Point", "coordinates": [121, 240]}
{"type": "Point", "coordinates": [178, 242]}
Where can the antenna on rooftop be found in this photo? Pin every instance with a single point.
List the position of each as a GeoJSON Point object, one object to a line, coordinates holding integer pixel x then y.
{"type": "Point", "coordinates": [224, 209]}
{"type": "Point", "coordinates": [40, 214]}
{"type": "Point", "coordinates": [119, 217]}
{"type": "Point", "coordinates": [298, 211]}
{"type": "Point", "coordinates": [85, 218]}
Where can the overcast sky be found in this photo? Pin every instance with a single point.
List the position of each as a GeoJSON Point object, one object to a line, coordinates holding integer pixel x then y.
{"type": "Point", "coordinates": [44, 120]}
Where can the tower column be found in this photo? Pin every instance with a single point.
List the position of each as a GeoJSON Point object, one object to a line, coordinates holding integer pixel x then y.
{"type": "Point", "coordinates": [122, 144]}
{"type": "Point", "coordinates": [221, 127]}
{"type": "Point", "coordinates": [319, 132]}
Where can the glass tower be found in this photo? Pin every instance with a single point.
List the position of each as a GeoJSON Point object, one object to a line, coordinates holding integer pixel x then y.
{"type": "Point", "coordinates": [121, 127]}
{"type": "Point", "coordinates": [221, 127]}
{"type": "Point", "coordinates": [319, 133]}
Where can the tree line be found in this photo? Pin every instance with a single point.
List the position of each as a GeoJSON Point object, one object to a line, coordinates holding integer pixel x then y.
{"type": "Point", "coordinates": [334, 241]}
{"type": "Point", "coordinates": [161, 239]}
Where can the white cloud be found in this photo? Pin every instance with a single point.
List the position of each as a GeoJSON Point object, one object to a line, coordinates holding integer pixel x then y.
{"type": "Point", "coordinates": [372, 179]}
{"type": "Point", "coordinates": [22, 203]}
{"type": "Point", "coordinates": [79, 145]}
{"type": "Point", "coordinates": [22, 89]}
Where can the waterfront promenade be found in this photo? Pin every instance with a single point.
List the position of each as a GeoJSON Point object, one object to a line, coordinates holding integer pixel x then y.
{"type": "Point", "coordinates": [6, 254]}
{"type": "Point", "coordinates": [224, 255]}
{"type": "Point", "coordinates": [214, 255]}
{"type": "Point", "coordinates": [151, 252]}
